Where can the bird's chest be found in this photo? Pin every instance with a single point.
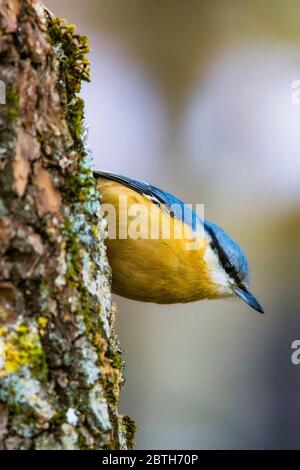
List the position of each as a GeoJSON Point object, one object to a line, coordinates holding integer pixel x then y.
{"type": "Point", "coordinates": [161, 271]}
{"type": "Point", "coordinates": [153, 256]}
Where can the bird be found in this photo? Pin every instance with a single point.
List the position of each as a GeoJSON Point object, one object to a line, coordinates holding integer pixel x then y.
{"type": "Point", "coordinates": [167, 269]}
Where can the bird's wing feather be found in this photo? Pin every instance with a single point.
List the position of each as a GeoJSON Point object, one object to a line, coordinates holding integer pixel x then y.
{"type": "Point", "coordinates": [174, 206]}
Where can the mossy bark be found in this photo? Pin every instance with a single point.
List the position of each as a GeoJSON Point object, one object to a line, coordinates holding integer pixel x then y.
{"type": "Point", "coordinates": [60, 362]}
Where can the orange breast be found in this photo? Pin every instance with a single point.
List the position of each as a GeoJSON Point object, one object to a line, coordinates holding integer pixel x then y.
{"type": "Point", "coordinates": [148, 263]}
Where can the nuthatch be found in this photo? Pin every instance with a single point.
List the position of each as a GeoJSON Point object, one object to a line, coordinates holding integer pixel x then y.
{"type": "Point", "coordinates": [162, 269]}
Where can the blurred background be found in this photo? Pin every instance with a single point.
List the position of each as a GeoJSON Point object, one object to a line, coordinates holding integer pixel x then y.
{"type": "Point", "coordinates": [196, 97]}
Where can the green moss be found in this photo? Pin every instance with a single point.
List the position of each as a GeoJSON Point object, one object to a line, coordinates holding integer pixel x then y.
{"type": "Point", "coordinates": [58, 419]}
{"type": "Point", "coordinates": [116, 359]}
{"type": "Point", "coordinates": [12, 103]}
{"type": "Point", "coordinates": [82, 442]}
{"type": "Point", "coordinates": [75, 115]}
{"type": "Point", "coordinates": [130, 429]}
{"type": "Point", "coordinates": [73, 259]}
{"type": "Point", "coordinates": [71, 50]}
{"type": "Point", "coordinates": [23, 419]}
{"type": "Point", "coordinates": [28, 414]}
{"type": "Point", "coordinates": [23, 348]}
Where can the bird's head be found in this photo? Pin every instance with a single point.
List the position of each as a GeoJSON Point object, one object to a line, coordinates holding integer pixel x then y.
{"type": "Point", "coordinates": [228, 266]}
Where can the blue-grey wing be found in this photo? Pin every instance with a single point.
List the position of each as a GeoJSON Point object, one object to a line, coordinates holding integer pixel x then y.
{"type": "Point", "coordinates": [174, 206]}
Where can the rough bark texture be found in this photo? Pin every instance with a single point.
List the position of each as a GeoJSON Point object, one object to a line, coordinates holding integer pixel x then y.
{"type": "Point", "coordinates": [60, 363]}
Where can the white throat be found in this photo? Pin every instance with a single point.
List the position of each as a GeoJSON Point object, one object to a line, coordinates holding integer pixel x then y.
{"type": "Point", "coordinates": [219, 277]}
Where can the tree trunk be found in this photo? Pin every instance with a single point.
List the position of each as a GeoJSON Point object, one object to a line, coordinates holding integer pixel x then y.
{"type": "Point", "coordinates": [60, 362]}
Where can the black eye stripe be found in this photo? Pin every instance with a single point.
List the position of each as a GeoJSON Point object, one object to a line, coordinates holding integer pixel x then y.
{"type": "Point", "coordinates": [225, 262]}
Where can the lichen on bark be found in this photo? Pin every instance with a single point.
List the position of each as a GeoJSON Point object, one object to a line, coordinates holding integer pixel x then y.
{"type": "Point", "coordinates": [60, 361]}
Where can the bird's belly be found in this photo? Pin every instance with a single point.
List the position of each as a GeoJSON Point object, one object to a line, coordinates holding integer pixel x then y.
{"type": "Point", "coordinates": [160, 269]}
{"type": "Point", "coordinates": [156, 271]}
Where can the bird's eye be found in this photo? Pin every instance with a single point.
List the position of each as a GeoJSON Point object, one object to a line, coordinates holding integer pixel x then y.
{"type": "Point", "coordinates": [229, 268]}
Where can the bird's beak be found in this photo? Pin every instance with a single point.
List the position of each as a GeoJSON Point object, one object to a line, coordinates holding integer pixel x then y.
{"type": "Point", "coordinates": [248, 298]}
